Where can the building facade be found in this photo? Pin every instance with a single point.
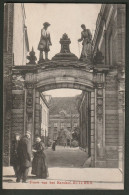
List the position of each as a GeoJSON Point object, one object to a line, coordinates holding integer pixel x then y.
{"type": "Point", "coordinates": [44, 117]}
{"type": "Point", "coordinates": [64, 118]}
{"type": "Point", "coordinates": [104, 80]}
{"type": "Point", "coordinates": [109, 42]}
{"type": "Point", "coordinates": [84, 122]}
{"type": "Point", "coordinates": [15, 48]}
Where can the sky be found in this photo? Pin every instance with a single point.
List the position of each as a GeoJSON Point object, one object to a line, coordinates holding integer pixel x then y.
{"type": "Point", "coordinates": [64, 18]}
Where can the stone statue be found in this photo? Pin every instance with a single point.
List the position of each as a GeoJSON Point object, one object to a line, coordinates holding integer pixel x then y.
{"type": "Point", "coordinates": [86, 39]}
{"type": "Point", "coordinates": [45, 42]}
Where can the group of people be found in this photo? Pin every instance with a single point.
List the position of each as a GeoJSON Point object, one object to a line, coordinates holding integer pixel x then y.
{"type": "Point", "coordinates": [21, 157]}
{"type": "Point", "coordinates": [45, 43]}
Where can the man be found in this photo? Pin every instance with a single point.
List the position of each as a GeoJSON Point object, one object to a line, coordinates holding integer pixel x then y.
{"type": "Point", "coordinates": [14, 156]}
{"type": "Point", "coordinates": [24, 156]}
{"type": "Point", "coordinates": [45, 42]}
{"type": "Point", "coordinates": [86, 38]}
{"type": "Point", "coordinates": [54, 146]}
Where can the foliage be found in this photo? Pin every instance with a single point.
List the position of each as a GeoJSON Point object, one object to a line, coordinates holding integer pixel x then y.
{"type": "Point", "coordinates": [74, 143]}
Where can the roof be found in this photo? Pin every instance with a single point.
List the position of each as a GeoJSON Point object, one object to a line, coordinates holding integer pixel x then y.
{"type": "Point", "coordinates": [65, 104]}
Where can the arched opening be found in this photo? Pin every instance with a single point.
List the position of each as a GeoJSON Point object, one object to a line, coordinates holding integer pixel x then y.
{"type": "Point", "coordinates": [70, 122]}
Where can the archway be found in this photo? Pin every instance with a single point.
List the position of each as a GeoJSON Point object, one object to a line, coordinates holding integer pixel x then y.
{"type": "Point", "coordinates": [43, 77]}
{"type": "Point", "coordinates": [63, 71]}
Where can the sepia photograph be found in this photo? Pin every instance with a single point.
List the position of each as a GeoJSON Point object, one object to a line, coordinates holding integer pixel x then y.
{"type": "Point", "coordinates": [64, 96]}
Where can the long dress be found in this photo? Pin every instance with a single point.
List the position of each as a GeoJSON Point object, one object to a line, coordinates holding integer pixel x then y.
{"type": "Point", "coordinates": [39, 163]}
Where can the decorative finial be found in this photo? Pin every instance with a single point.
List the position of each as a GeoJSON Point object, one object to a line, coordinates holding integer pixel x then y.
{"type": "Point", "coordinates": [32, 58]}
{"type": "Point", "coordinates": [65, 53]}
{"type": "Point", "coordinates": [65, 42]}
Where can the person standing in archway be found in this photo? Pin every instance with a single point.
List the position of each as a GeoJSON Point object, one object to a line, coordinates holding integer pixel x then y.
{"type": "Point", "coordinates": [24, 157]}
{"type": "Point", "coordinates": [39, 163]}
{"type": "Point", "coordinates": [45, 42]}
{"type": "Point", "coordinates": [86, 38]}
{"type": "Point", "coordinates": [14, 161]}
{"type": "Point", "coordinates": [54, 145]}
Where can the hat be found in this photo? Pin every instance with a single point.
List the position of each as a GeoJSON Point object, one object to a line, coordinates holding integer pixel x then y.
{"type": "Point", "coordinates": [46, 24]}
{"type": "Point", "coordinates": [28, 132]}
{"type": "Point", "coordinates": [17, 134]}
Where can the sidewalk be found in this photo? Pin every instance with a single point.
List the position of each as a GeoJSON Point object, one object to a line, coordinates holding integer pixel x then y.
{"type": "Point", "coordinates": [68, 178]}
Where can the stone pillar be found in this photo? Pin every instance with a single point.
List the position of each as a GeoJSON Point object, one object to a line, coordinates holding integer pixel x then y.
{"type": "Point", "coordinates": [92, 129]}
{"type": "Point", "coordinates": [29, 112]}
{"type": "Point", "coordinates": [99, 78]}
{"type": "Point", "coordinates": [29, 103]}
{"type": "Point", "coordinates": [37, 114]}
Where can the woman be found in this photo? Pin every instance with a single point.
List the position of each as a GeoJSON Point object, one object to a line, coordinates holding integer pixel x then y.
{"type": "Point", "coordinates": [39, 164]}
{"type": "Point", "coordinates": [14, 156]}
{"type": "Point", "coordinates": [86, 39]}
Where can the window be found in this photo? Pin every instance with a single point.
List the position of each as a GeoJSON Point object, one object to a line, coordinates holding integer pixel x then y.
{"type": "Point", "coordinates": [68, 125]}
{"type": "Point", "coordinates": [55, 124]}
{"type": "Point", "coordinates": [55, 136]}
{"type": "Point", "coordinates": [75, 124]}
{"type": "Point", "coordinates": [62, 125]}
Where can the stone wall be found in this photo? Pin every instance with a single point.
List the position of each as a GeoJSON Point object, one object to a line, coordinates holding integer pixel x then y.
{"type": "Point", "coordinates": [7, 100]}
{"type": "Point", "coordinates": [17, 120]}
{"type": "Point", "coordinates": [87, 125]}
{"type": "Point", "coordinates": [37, 122]}
{"type": "Point", "coordinates": [92, 129]}
{"type": "Point", "coordinates": [7, 115]}
{"type": "Point", "coordinates": [111, 120]}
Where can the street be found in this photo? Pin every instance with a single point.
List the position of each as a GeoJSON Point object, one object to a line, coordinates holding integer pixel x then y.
{"type": "Point", "coordinates": [65, 157]}
{"type": "Point", "coordinates": [66, 172]}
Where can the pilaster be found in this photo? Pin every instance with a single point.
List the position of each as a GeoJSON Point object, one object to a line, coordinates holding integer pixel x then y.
{"type": "Point", "coordinates": [99, 81]}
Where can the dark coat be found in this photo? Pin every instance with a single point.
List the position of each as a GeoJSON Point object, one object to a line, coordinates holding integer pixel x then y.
{"type": "Point", "coordinates": [24, 152]}
{"type": "Point", "coordinates": [54, 146]}
{"type": "Point", "coordinates": [14, 156]}
{"type": "Point", "coordinates": [39, 163]}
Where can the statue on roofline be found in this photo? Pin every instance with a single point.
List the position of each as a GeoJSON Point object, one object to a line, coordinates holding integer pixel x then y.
{"type": "Point", "coordinates": [45, 42]}
{"type": "Point", "coordinates": [86, 38]}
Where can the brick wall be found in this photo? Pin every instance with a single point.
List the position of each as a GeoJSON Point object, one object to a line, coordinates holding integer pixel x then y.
{"type": "Point", "coordinates": [7, 64]}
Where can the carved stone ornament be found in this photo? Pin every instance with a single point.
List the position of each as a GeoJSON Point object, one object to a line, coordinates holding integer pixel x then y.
{"type": "Point", "coordinates": [29, 110]}
{"type": "Point", "coordinates": [17, 82]}
{"type": "Point", "coordinates": [99, 85]}
{"type": "Point", "coordinates": [98, 58]}
{"type": "Point", "coordinates": [29, 85]}
{"type": "Point", "coordinates": [29, 101]}
{"type": "Point", "coordinates": [99, 110]}
{"type": "Point", "coordinates": [32, 58]}
{"type": "Point", "coordinates": [100, 92]}
{"type": "Point", "coordinates": [65, 53]}
{"type": "Point", "coordinates": [29, 92]}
